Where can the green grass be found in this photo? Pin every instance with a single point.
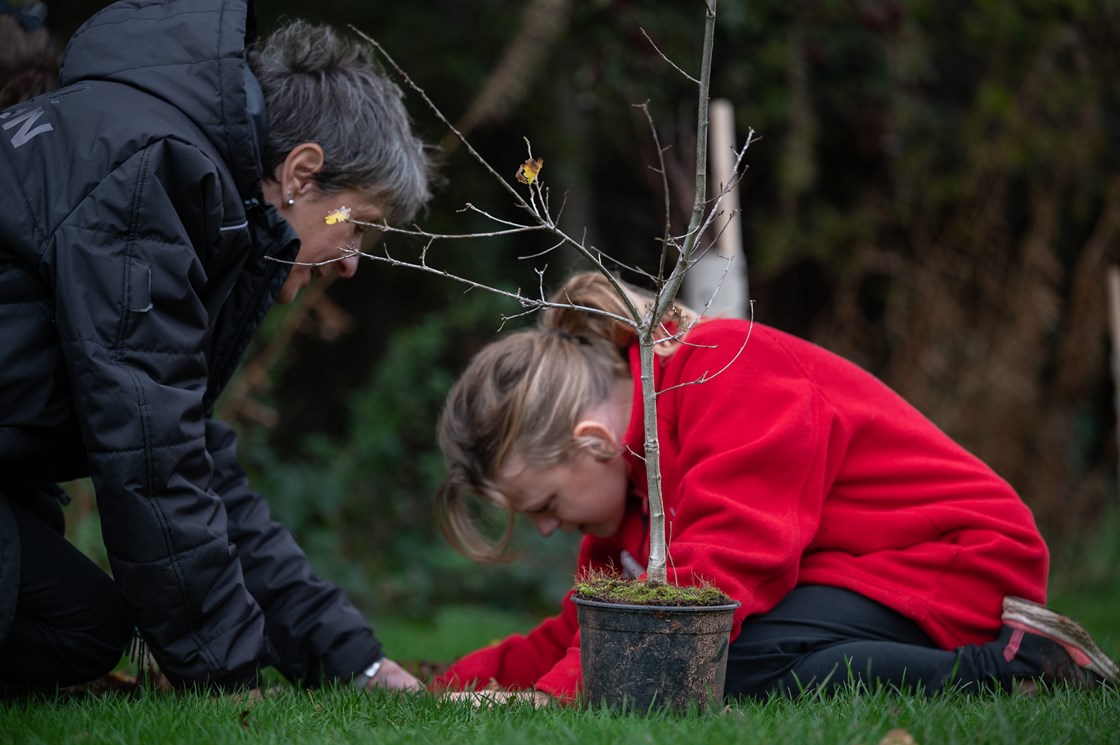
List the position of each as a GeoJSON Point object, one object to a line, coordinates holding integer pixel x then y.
{"type": "Point", "coordinates": [345, 715]}
{"type": "Point", "coordinates": [1086, 586]}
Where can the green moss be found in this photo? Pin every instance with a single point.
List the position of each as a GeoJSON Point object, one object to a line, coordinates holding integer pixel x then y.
{"type": "Point", "coordinates": [645, 592]}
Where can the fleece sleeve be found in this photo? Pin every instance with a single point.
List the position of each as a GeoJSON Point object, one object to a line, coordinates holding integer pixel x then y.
{"type": "Point", "coordinates": [548, 657]}
{"type": "Point", "coordinates": [785, 464]}
{"type": "Point", "coordinates": [521, 660]}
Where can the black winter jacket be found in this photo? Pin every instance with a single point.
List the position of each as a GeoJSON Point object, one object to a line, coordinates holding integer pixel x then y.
{"type": "Point", "coordinates": [132, 274]}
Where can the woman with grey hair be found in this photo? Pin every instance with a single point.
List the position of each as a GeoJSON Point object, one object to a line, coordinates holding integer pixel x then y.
{"type": "Point", "coordinates": [158, 203]}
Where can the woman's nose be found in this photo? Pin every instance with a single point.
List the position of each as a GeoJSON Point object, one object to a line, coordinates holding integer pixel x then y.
{"type": "Point", "coordinates": [347, 267]}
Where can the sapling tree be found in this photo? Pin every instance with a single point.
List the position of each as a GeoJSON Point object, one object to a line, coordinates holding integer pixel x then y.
{"type": "Point", "coordinates": [656, 322]}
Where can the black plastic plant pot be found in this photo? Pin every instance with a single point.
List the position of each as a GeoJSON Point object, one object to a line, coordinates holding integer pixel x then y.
{"type": "Point", "coordinates": [646, 657]}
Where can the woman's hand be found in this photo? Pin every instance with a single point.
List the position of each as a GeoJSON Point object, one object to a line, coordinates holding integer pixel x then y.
{"type": "Point", "coordinates": [393, 677]}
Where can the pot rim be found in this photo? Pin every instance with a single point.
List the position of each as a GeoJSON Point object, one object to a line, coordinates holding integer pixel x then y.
{"type": "Point", "coordinates": [656, 608]}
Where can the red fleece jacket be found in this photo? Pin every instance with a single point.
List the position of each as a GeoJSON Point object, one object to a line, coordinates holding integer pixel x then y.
{"type": "Point", "coordinates": [788, 466]}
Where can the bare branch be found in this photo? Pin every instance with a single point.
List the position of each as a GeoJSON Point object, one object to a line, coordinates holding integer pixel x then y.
{"type": "Point", "coordinates": [439, 114]}
{"type": "Point", "coordinates": [738, 172]}
{"type": "Point", "coordinates": [419, 233]}
{"type": "Point", "coordinates": [664, 184]}
{"type": "Point", "coordinates": [539, 254]}
{"type": "Point", "coordinates": [525, 302]}
{"type": "Point", "coordinates": [662, 55]}
{"type": "Point", "coordinates": [346, 253]}
{"type": "Point", "coordinates": [470, 207]}
{"type": "Point", "coordinates": [705, 377]}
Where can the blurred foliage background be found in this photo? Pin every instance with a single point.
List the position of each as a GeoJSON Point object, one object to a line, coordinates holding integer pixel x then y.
{"type": "Point", "coordinates": [934, 194]}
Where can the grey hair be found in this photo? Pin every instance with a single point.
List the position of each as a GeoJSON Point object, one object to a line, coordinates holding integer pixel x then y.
{"type": "Point", "coordinates": [321, 87]}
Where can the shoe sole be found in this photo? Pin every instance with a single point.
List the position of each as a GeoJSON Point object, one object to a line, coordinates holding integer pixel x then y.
{"type": "Point", "coordinates": [1033, 618]}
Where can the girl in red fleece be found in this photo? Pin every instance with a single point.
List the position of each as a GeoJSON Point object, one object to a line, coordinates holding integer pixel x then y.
{"type": "Point", "coordinates": [863, 544]}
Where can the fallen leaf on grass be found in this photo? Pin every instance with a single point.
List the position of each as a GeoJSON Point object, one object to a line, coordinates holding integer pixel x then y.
{"type": "Point", "coordinates": [732, 713]}
{"type": "Point", "coordinates": [898, 737]}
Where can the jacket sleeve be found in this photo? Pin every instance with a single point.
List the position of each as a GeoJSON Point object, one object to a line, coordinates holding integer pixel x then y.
{"type": "Point", "coordinates": [128, 285]}
{"type": "Point", "coordinates": [318, 635]}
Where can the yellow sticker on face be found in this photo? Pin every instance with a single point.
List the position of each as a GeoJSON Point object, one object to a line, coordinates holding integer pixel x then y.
{"type": "Point", "coordinates": [342, 214]}
{"type": "Point", "coordinates": [527, 171]}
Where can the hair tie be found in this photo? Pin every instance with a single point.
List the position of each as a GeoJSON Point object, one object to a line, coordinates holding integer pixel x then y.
{"type": "Point", "coordinates": [579, 339]}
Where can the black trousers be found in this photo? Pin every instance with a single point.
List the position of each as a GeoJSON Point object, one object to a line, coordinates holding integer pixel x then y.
{"type": "Point", "coordinates": [826, 638]}
{"type": "Point", "coordinates": [70, 624]}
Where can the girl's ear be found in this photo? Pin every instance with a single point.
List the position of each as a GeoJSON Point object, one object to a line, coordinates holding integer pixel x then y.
{"type": "Point", "coordinates": [598, 438]}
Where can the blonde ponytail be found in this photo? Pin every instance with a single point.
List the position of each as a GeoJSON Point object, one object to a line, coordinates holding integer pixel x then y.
{"type": "Point", "coordinates": [594, 290]}
{"type": "Point", "coordinates": [524, 394]}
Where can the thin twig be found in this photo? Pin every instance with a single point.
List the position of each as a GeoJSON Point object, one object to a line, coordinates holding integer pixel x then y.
{"type": "Point", "coordinates": [517, 296]}
{"type": "Point", "coordinates": [439, 114]}
{"type": "Point", "coordinates": [667, 231]}
{"type": "Point", "coordinates": [705, 377]}
{"type": "Point", "coordinates": [664, 57]}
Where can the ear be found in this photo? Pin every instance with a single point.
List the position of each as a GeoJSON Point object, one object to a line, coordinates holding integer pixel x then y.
{"type": "Point", "coordinates": [596, 437]}
{"type": "Point", "coordinates": [296, 175]}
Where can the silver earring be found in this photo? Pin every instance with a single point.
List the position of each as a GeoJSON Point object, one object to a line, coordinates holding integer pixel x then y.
{"type": "Point", "coordinates": [291, 199]}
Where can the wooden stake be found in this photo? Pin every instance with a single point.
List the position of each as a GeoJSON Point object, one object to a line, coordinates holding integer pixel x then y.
{"type": "Point", "coordinates": [1114, 324]}
{"type": "Point", "coordinates": [711, 279]}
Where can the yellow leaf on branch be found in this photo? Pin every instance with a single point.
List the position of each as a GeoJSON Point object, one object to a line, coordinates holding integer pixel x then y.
{"type": "Point", "coordinates": [527, 171]}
